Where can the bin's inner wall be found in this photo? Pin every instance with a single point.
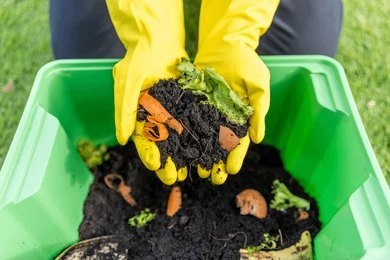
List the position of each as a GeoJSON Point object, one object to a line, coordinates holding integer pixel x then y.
{"type": "Point", "coordinates": [82, 99]}
{"type": "Point", "coordinates": [321, 148]}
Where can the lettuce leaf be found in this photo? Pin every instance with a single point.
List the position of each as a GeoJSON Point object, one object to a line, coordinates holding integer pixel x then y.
{"type": "Point", "coordinates": [210, 84]}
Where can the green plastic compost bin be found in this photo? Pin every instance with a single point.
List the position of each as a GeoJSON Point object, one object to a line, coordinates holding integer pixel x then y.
{"type": "Point", "coordinates": [313, 121]}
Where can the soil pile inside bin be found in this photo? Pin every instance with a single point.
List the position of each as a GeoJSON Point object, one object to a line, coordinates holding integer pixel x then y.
{"type": "Point", "coordinates": [208, 226]}
{"type": "Point", "coordinates": [198, 144]}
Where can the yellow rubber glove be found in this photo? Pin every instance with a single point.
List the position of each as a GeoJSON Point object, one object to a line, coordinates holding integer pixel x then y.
{"type": "Point", "coordinates": [229, 32]}
{"type": "Point", "coordinates": [153, 35]}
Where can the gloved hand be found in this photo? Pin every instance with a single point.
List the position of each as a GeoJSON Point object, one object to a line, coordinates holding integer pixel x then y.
{"type": "Point", "coordinates": [229, 33]}
{"type": "Point", "coordinates": [153, 35]}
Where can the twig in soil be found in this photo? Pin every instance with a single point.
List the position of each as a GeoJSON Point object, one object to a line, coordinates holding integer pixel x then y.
{"type": "Point", "coordinates": [193, 136]}
{"type": "Point", "coordinates": [231, 236]}
{"type": "Point", "coordinates": [178, 99]}
{"type": "Point", "coordinates": [281, 237]}
{"type": "Point", "coordinates": [151, 242]}
{"type": "Point", "coordinates": [204, 258]}
{"type": "Point", "coordinates": [203, 152]}
{"type": "Point", "coordinates": [212, 130]}
{"type": "Point", "coordinates": [189, 173]}
{"type": "Point", "coordinates": [196, 139]}
{"type": "Point", "coordinates": [201, 156]}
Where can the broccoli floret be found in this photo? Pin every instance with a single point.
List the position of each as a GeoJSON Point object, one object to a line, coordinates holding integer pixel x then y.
{"type": "Point", "coordinates": [142, 218]}
{"type": "Point", "coordinates": [92, 155]}
{"type": "Point", "coordinates": [284, 199]}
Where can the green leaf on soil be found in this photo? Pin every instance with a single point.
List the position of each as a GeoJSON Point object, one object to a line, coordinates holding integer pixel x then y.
{"type": "Point", "coordinates": [91, 154]}
{"type": "Point", "coordinates": [210, 84]}
{"type": "Point", "coordinates": [142, 218]}
{"type": "Point", "coordinates": [284, 199]}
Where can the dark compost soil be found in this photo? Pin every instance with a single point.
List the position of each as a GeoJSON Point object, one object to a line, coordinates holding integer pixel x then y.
{"type": "Point", "coordinates": [208, 226]}
{"type": "Point", "coordinates": [198, 144]}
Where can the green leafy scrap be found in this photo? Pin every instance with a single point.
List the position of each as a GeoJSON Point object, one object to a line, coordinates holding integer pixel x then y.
{"type": "Point", "coordinates": [284, 199]}
{"type": "Point", "coordinates": [91, 154]}
{"type": "Point", "coordinates": [142, 218]}
{"type": "Point", "coordinates": [210, 84]}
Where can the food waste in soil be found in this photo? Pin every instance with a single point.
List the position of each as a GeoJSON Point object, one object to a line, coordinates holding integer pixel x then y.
{"type": "Point", "coordinates": [196, 119]}
{"type": "Point", "coordinates": [199, 142]}
{"type": "Point", "coordinates": [208, 225]}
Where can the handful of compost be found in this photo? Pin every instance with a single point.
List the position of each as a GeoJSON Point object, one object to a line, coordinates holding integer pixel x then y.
{"type": "Point", "coordinates": [195, 121]}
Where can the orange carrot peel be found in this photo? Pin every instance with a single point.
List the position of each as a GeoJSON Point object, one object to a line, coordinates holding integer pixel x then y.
{"type": "Point", "coordinates": [155, 131]}
{"type": "Point", "coordinates": [115, 181]}
{"type": "Point", "coordinates": [227, 138]}
{"type": "Point", "coordinates": [174, 201]}
{"type": "Point", "coordinates": [159, 113]}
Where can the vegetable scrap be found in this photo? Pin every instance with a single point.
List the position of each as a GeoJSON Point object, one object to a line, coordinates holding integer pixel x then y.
{"type": "Point", "coordinates": [157, 118]}
{"type": "Point", "coordinates": [200, 142]}
{"type": "Point", "coordinates": [155, 131]}
{"type": "Point", "coordinates": [227, 138]}
{"type": "Point", "coordinates": [284, 199]}
{"type": "Point", "coordinates": [142, 219]}
{"type": "Point", "coordinates": [251, 202]}
{"type": "Point", "coordinates": [210, 84]}
{"type": "Point", "coordinates": [115, 182]}
{"type": "Point", "coordinates": [91, 154]}
{"type": "Point", "coordinates": [303, 214]}
{"type": "Point", "coordinates": [174, 201]}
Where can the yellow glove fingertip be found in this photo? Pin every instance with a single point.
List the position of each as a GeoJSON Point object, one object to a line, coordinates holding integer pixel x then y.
{"type": "Point", "coordinates": [236, 156]}
{"type": "Point", "coordinates": [122, 139]}
{"type": "Point", "coordinates": [168, 174]}
{"type": "Point", "coordinates": [147, 150]}
{"type": "Point", "coordinates": [257, 132]}
{"type": "Point", "coordinates": [124, 131]}
{"type": "Point", "coordinates": [202, 172]}
{"type": "Point", "coordinates": [182, 174]}
{"type": "Point", "coordinates": [218, 173]}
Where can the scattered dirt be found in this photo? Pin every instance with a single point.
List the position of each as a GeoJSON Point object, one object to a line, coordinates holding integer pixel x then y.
{"type": "Point", "coordinates": [208, 225]}
{"type": "Point", "coordinates": [198, 144]}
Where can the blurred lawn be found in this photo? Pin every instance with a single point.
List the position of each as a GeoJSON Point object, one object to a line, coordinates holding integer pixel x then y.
{"type": "Point", "coordinates": [364, 52]}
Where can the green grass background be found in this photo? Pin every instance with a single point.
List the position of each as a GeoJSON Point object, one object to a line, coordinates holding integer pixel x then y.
{"type": "Point", "coordinates": [364, 52]}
